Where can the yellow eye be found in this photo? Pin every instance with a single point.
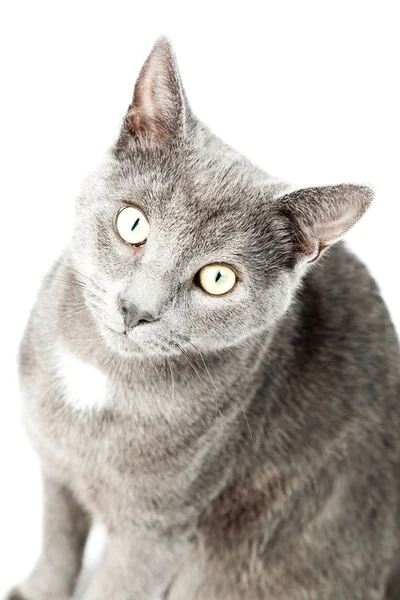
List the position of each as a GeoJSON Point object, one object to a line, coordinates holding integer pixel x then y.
{"type": "Point", "coordinates": [217, 279]}
{"type": "Point", "coordinates": [132, 225]}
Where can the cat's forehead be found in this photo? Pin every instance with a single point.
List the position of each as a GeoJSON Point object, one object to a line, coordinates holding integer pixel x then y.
{"type": "Point", "coordinates": [207, 183]}
{"type": "Point", "coordinates": [194, 210]}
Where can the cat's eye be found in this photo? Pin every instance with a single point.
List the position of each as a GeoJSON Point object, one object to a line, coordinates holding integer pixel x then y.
{"type": "Point", "coordinates": [132, 225]}
{"type": "Point", "coordinates": [216, 279]}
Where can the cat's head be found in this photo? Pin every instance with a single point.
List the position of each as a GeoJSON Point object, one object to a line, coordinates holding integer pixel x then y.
{"type": "Point", "coordinates": [182, 242]}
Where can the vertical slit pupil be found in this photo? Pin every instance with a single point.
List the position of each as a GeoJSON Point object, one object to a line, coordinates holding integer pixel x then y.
{"type": "Point", "coordinates": [218, 277]}
{"type": "Point", "coordinates": [135, 223]}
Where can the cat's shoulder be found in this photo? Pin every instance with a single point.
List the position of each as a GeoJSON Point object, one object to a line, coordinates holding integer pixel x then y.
{"type": "Point", "coordinates": [340, 294]}
{"type": "Point", "coordinates": [41, 328]}
{"type": "Point", "coordinates": [340, 274]}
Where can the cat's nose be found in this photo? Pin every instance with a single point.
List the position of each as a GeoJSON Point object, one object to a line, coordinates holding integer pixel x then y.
{"type": "Point", "coordinates": [133, 316]}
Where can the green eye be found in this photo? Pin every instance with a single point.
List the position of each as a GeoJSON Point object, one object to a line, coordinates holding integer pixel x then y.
{"type": "Point", "coordinates": [217, 279]}
{"type": "Point", "coordinates": [132, 225]}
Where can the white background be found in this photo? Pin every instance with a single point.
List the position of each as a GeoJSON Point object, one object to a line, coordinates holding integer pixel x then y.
{"type": "Point", "coordinates": [308, 90]}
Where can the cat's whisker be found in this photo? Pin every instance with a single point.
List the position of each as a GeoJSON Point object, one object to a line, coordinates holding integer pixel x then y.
{"type": "Point", "coordinates": [73, 313]}
{"type": "Point", "coordinates": [265, 348]}
{"type": "Point", "coordinates": [194, 368]}
{"type": "Point", "coordinates": [213, 383]}
{"type": "Point", "coordinates": [245, 416]}
{"type": "Point", "coordinates": [209, 376]}
{"type": "Point", "coordinates": [219, 412]}
{"type": "Point", "coordinates": [205, 366]}
{"type": "Point", "coordinates": [76, 271]}
{"type": "Point", "coordinates": [70, 287]}
{"type": "Point", "coordinates": [73, 307]}
{"type": "Point", "coordinates": [82, 275]}
{"type": "Point", "coordinates": [71, 282]}
{"type": "Point", "coordinates": [172, 378]}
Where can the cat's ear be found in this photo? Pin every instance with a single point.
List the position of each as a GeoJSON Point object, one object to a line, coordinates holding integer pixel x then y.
{"type": "Point", "coordinates": [158, 110]}
{"type": "Point", "coordinates": [320, 216]}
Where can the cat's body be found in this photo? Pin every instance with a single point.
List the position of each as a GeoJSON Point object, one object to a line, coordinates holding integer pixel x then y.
{"type": "Point", "coordinates": [265, 468]}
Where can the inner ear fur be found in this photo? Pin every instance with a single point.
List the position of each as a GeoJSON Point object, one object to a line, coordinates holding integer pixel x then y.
{"type": "Point", "coordinates": [320, 216]}
{"type": "Point", "coordinates": [158, 109]}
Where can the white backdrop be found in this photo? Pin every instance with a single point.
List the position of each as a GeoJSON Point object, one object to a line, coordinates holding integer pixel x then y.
{"type": "Point", "coordinates": [308, 90]}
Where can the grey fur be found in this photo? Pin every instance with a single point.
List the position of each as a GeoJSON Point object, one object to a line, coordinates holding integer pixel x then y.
{"type": "Point", "coordinates": [249, 444]}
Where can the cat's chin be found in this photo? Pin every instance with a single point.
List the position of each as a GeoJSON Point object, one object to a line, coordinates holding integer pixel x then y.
{"type": "Point", "coordinates": [120, 343]}
{"type": "Point", "coordinates": [125, 346]}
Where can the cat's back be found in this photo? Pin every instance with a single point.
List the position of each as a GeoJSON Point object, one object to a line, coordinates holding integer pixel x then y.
{"type": "Point", "coordinates": [346, 351]}
{"type": "Point", "coordinates": [343, 361]}
{"type": "Point", "coordinates": [341, 298]}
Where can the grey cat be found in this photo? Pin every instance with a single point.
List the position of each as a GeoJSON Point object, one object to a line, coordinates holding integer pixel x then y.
{"type": "Point", "coordinates": [195, 378]}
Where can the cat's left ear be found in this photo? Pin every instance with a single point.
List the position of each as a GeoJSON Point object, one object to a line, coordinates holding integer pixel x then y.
{"type": "Point", "coordinates": [157, 114]}
{"type": "Point", "coordinates": [320, 216]}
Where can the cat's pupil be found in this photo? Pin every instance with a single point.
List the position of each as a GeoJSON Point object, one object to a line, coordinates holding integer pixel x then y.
{"type": "Point", "coordinates": [218, 277]}
{"type": "Point", "coordinates": [135, 223]}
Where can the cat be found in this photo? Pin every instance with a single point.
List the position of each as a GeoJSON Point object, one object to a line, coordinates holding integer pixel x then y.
{"type": "Point", "coordinates": [212, 376]}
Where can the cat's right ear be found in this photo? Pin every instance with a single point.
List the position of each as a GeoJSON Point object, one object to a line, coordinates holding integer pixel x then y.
{"type": "Point", "coordinates": [320, 216]}
{"type": "Point", "coordinates": [157, 115]}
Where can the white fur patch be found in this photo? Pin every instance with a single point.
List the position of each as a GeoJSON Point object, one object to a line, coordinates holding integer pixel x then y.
{"type": "Point", "coordinates": [85, 386]}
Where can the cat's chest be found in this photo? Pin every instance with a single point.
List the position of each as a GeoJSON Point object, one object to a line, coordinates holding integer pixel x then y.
{"type": "Point", "coordinates": [86, 421]}
{"type": "Point", "coordinates": [116, 441]}
{"type": "Point", "coordinates": [90, 391]}
{"type": "Point", "coordinates": [84, 386]}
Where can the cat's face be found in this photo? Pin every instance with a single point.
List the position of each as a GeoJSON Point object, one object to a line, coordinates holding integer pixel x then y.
{"type": "Point", "coordinates": [215, 253]}
{"type": "Point", "coordinates": [194, 220]}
